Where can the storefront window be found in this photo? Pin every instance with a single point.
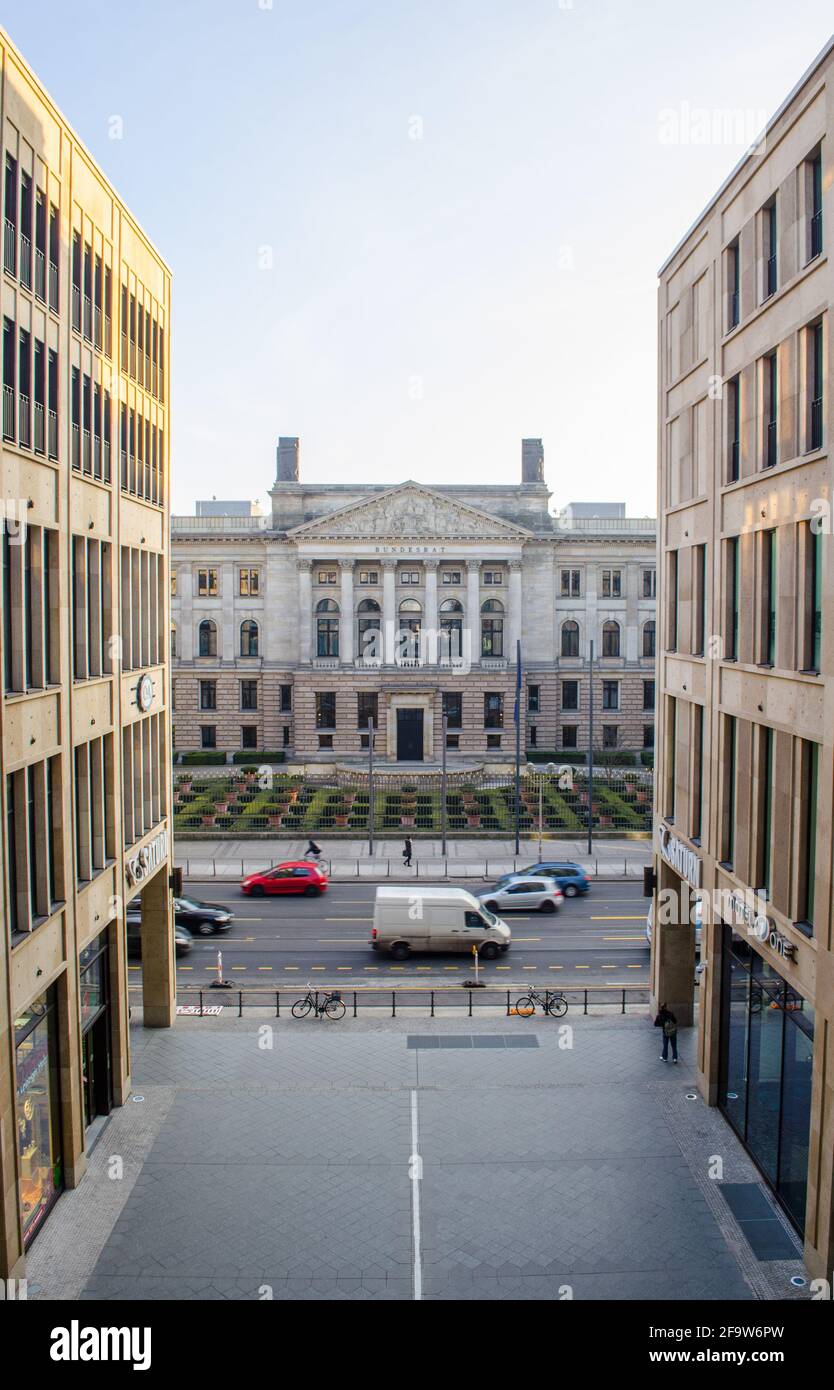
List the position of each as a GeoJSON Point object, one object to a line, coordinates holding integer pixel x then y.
{"type": "Point", "coordinates": [767, 1054]}
{"type": "Point", "coordinates": [90, 966]}
{"type": "Point", "coordinates": [38, 1114]}
{"type": "Point", "coordinates": [96, 1060]}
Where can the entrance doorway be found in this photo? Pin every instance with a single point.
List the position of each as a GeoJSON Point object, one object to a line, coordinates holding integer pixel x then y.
{"type": "Point", "coordinates": [96, 1066]}
{"type": "Point", "coordinates": [409, 735]}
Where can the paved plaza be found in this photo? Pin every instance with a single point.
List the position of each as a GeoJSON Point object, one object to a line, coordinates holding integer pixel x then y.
{"type": "Point", "coordinates": [441, 1158]}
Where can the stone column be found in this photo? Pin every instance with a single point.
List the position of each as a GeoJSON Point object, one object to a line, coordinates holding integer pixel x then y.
{"type": "Point", "coordinates": [473, 610]}
{"type": "Point", "coordinates": [229, 646]}
{"type": "Point", "coordinates": [673, 947]}
{"type": "Point", "coordinates": [389, 609]}
{"type": "Point", "coordinates": [514, 633]}
{"type": "Point", "coordinates": [346, 621]}
{"type": "Point", "coordinates": [430, 644]}
{"type": "Point", "coordinates": [305, 616]}
{"type": "Point", "coordinates": [159, 980]}
{"type": "Point", "coordinates": [185, 613]}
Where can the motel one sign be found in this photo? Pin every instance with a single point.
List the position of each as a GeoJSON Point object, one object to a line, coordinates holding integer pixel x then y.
{"type": "Point", "coordinates": [679, 856]}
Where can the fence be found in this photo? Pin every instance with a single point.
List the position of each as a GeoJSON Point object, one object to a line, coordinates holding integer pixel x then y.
{"type": "Point", "coordinates": [431, 868]}
{"type": "Point", "coordinates": [341, 802]}
{"type": "Point", "coordinates": [470, 998]}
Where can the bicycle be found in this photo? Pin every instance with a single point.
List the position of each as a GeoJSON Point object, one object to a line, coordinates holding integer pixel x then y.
{"type": "Point", "coordinates": [553, 1003]}
{"type": "Point", "coordinates": [329, 1005]}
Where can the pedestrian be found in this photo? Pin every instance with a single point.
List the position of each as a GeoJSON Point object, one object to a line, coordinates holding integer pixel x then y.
{"type": "Point", "coordinates": [407, 853]}
{"type": "Point", "coordinates": [312, 848]}
{"type": "Point", "coordinates": [667, 1021]}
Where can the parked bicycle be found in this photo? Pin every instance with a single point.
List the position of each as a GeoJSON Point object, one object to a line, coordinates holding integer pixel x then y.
{"type": "Point", "coordinates": [321, 1003]}
{"type": "Point", "coordinates": [553, 1003]}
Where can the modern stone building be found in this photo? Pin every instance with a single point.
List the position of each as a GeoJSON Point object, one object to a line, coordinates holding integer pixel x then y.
{"type": "Point", "coordinates": [351, 602]}
{"type": "Point", "coordinates": [745, 770]}
{"type": "Point", "coordinates": [84, 609]}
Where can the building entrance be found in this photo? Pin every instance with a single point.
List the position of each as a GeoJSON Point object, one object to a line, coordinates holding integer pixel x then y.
{"type": "Point", "coordinates": [409, 735]}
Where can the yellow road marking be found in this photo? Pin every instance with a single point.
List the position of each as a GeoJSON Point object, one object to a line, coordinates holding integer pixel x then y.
{"type": "Point", "coordinates": [189, 967]}
{"type": "Point", "coordinates": [582, 967]}
{"type": "Point", "coordinates": [556, 967]}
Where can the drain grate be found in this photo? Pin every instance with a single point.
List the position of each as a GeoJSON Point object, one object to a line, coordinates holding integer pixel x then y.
{"type": "Point", "coordinates": [762, 1228]}
{"type": "Point", "coordinates": [457, 1040]}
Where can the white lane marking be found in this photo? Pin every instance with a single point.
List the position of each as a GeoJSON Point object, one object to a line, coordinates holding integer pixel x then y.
{"type": "Point", "coordinates": [415, 1172]}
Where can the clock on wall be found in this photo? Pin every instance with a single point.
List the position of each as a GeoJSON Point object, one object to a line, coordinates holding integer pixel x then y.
{"type": "Point", "coordinates": [144, 694]}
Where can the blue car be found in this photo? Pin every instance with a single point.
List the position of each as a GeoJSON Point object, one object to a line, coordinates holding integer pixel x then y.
{"type": "Point", "coordinates": [568, 875]}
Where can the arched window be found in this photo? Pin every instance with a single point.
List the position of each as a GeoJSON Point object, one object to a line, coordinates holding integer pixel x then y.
{"type": "Point", "coordinates": [570, 638]}
{"type": "Point", "coordinates": [611, 639]}
{"type": "Point", "coordinates": [649, 630]}
{"type": "Point", "coordinates": [327, 627]}
{"type": "Point", "coordinates": [451, 629]}
{"type": "Point", "coordinates": [410, 623]}
{"type": "Point", "coordinates": [207, 638]}
{"type": "Point", "coordinates": [492, 628]}
{"type": "Point", "coordinates": [173, 641]}
{"type": "Point", "coordinates": [370, 635]}
{"type": "Point", "coordinates": [249, 638]}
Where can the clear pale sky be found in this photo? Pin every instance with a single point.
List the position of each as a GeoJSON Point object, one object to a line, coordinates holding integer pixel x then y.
{"type": "Point", "coordinates": [430, 300]}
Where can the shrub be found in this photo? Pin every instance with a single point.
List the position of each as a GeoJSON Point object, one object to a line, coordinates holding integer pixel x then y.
{"type": "Point", "coordinates": [203, 758]}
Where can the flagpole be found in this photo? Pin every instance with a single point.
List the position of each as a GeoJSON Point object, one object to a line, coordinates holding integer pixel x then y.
{"type": "Point", "coordinates": [518, 748]}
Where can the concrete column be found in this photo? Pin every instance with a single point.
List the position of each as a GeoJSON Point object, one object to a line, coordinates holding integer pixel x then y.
{"type": "Point", "coordinates": [159, 979]}
{"type": "Point", "coordinates": [430, 644]}
{"type": "Point", "coordinates": [673, 947]}
{"type": "Point", "coordinates": [389, 609]}
{"type": "Point", "coordinates": [305, 617]}
{"type": "Point", "coordinates": [346, 623]}
{"type": "Point", "coordinates": [229, 627]}
{"type": "Point", "coordinates": [473, 609]}
{"type": "Point", "coordinates": [514, 634]}
{"type": "Point", "coordinates": [185, 615]}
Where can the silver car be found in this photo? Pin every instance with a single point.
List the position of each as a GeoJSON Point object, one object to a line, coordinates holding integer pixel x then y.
{"type": "Point", "coordinates": [523, 894]}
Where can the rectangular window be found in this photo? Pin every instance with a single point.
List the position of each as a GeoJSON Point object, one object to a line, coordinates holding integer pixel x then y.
{"type": "Point", "coordinates": [648, 736]}
{"type": "Point", "coordinates": [771, 411]}
{"type": "Point", "coordinates": [249, 736]}
{"type": "Point", "coordinates": [671, 778]}
{"type": "Point", "coordinates": [493, 741]}
{"type": "Point", "coordinates": [733, 286]}
{"type": "Point", "coordinates": [249, 695]}
{"type": "Point", "coordinates": [369, 576]}
{"type": "Point", "coordinates": [612, 583]}
{"type": "Point", "coordinates": [450, 577]}
{"type": "Point", "coordinates": [570, 736]}
{"type": "Point", "coordinates": [697, 772]}
{"type": "Point", "coordinates": [813, 178]}
{"type": "Point", "coordinates": [816, 382]}
{"type": "Point", "coordinates": [650, 583]}
{"type": "Point", "coordinates": [325, 741]}
{"type": "Point", "coordinates": [672, 602]}
{"type": "Point", "coordinates": [609, 735]}
{"type": "Point", "coordinates": [207, 583]}
{"type": "Point", "coordinates": [327, 577]}
{"type": "Point", "coordinates": [286, 699]}
{"type": "Point", "coordinates": [733, 581]}
{"type": "Point", "coordinates": [764, 810]}
{"type": "Point", "coordinates": [734, 429]}
{"type": "Point", "coordinates": [533, 700]}
{"type": "Point", "coordinates": [409, 577]}
{"type": "Point", "coordinates": [807, 838]}
{"type": "Point", "coordinates": [811, 599]}
{"type": "Point", "coordinates": [208, 736]}
{"type": "Point", "coordinates": [250, 583]}
{"type": "Point", "coordinates": [767, 598]}
{"type": "Point", "coordinates": [571, 584]}
{"type": "Point", "coordinates": [728, 819]}
{"type": "Point", "coordinates": [611, 695]}
{"type": "Point", "coordinates": [326, 709]}
{"type": "Point", "coordinates": [285, 735]}
{"type": "Point", "coordinates": [570, 695]}
{"type": "Point", "coordinates": [770, 249]}
{"type": "Point", "coordinates": [493, 710]}
{"type": "Point", "coordinates": [699, 599]}
{"type": "Point", "coordinates": [453, 741]}
{"type": "Point", "coordinates": [453, 709]}
{"type": "Point", "coordinates": [493, 577]}
{"type": "Point", "coordinates": [648, 695]}
{"type": "Point", "coordinates": [208, 695]}
{"type": "Point", "coordinates": [367, 708]}
{"type": "Point", "coordinates": [533, 736]}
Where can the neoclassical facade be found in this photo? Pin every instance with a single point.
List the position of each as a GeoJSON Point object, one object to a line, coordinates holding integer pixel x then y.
{"type": "Point", "coordinates": [402, 604]}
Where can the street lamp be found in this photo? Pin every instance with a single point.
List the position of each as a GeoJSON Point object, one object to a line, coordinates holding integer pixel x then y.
{"type": "Point", "coordinates": [549, 769]}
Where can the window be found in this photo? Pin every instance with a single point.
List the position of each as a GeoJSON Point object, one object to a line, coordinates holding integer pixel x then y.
{"type": "Point", "coordinates": [763, 793]}
{"type": "Point", "coordinates": [325, 741]}
{"type": "Point", "coordinates": [609, 735]}
{"type": "Point", "coordinates": [649, 638]}
{"type": "Point", "coordinates": [733, 594]}
{"type": "Point", "coordinates": [533, 699]}
{"type": "Point", "coordinates": [207, 638]}
{"type": "Point", "coordinates": [451, 628]}
{"type": "Point", "coordinates": [728, 818]}
{"type": "Point", "coordinates": [697, 801]}
{"type": "Point", "coordinates": [648, 695]}
{"type": "Point", "coordinates": [733, 285]}
{"type": "Point", "coordinates": [770, 249]}
{"type": "Point", "coordinates": [249, 695]}
{"type": "Point", "coordinates": [249, 638]}
{"type": "Point", "coordinates": [611, 639]}
{"type": "Point", "coordinates": [30, 607]}
{"type": "Point", "coordinates": [326, 709]}
{"type": "Point", "coordinates": [248, 735]}
{"type": "Point", "coordinates": [611, 695]}
{"type": "Point", "coordinates": [492, 628]}
{"type": "Point", "coordinates": [571, 585]}
{"type": "Point", "coordinates": [327, 576]}
{"type": "Point", "coordinates": [570, 639]}
{"type": "Point", "coordinates": [33, 829]}
{"type": "Point", "coordinates": [814, 189]}
{"type": "Point", "coordinates": [453, 709]}
{"type": "Point", "coordinates": [612, 583]}
{"type": "Point", "coordinates": [734, 429]}
{"type": "Point", "coordinates": [533, 735]}
{"type": "Point", "coordinates": [699, 599]}
{"type": "Point", "coordinates": [409, 577]}
{"type": "Point", "coordinates": [207, 584]}
{"type": "Point", "coordinates": [450, 577]}
{"type": "Point", "coordinates": [493, 741]}
{"type": "Point", "coordinates": [811, 625]}
{"type": "Point", "coordinates": [670, 762]}
{"type": "Point", "coordinates": [10, 226]}
{"type": "Point", "coordinates": [173, 583]}
{"type": "Point", "coordinates": [208, 735]}
{"type": "Point", "coordinates": [770, 371]}
{"type": "Point", "coordinates": [807, 837]}
{"type": "Point", "coordinates": [173, 641]}
{"type": "Point", "coordinates": [286, 699]}
{"type": "Point", "coordinates": [369, 576]}
{"type": "Point", "coordinates": [327, 628]}
{"type": "Point", "coordinates": [367, 709]}
{"type": "Point", "coordinates": [816, 379]}
{"type": "Point", "coordinates": [648, 735]}
{"type": "Point", "coordinates": [409, 630]}
{"type": "Point", "coordinates": [649, 583]}
{"type": "Point", "coordinates": [570, 736]}
{"type": "Point", "coordinates": [94, 843]}
{"type": "Point", "coordinates": [493, 711]}
{"type": "Point", "coordinates": [249, 583]}
{"type": "Point", "coordinates": [768, 595]}
{"type": "Point", "coordinates": [285, 736]}
{"type": "Point", "coordinates": [146, 764]}
{"type": "Point", "coordinates": [672, 602]}
{"type": "Point", "coordinates": [370, 636]}
{"type": "Point", "coordinates": [493, 576]}
{"type": "Point", "coordinates": [570, 695]}
{"type": "Point", "coordinates": [453, 741]}
{"type": "Point", "coordinates": [208, 695]}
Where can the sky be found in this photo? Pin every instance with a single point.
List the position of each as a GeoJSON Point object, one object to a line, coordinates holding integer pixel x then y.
{"type": "Point", "coordinates": [413, 234]}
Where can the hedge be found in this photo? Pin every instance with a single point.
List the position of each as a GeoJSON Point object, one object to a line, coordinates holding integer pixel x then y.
{"type": "Point", "coordinates": [202, 759]}
{"type": "Point", "coordinates": [255, 759]}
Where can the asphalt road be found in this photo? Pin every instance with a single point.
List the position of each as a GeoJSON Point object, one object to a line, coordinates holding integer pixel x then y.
{"type": "Point", "coordinates": [594, 940]}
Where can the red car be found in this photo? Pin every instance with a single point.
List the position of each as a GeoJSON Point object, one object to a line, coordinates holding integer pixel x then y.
{"type": "Point", "coordinates": [298, 877]}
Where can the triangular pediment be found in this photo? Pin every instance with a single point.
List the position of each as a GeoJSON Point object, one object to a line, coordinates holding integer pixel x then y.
{"type": "Point", "coordinates": [410, 510]}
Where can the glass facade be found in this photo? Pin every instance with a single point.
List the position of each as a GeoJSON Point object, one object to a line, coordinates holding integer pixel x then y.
{"type": "Point", "coordinates": [767, 1045]}
{"type": "Point", "coordinates": [96, 1063]}
{"type": "Point", "coordinates": [38, 1111]}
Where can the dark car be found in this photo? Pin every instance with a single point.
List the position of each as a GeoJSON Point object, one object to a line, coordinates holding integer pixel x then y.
{"type": "Point", "coordinates": [183, 940]}
{"type": "Point", "coordinates": [568, 875]}
{"type": "Point", "coordinates": [202, 919]}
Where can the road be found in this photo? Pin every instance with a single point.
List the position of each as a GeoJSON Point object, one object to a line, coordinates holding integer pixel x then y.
{"type": "Point", "coordinates": [275, 942]}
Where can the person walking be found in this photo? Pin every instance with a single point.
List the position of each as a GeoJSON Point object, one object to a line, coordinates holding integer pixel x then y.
{"type": "Point", "coordinates": [407, 853]}
{"type": "Point", "coordinates": [667, 1021]}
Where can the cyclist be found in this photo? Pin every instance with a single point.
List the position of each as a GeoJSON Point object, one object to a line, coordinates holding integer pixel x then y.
{"type": "Point", "coordinates": [312, 849]}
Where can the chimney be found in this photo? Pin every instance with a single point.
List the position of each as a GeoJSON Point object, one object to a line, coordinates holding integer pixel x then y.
{"type": "Point", "coordinates": [287, 457]}
{"type": "Point", "coordinates": [532, 461]}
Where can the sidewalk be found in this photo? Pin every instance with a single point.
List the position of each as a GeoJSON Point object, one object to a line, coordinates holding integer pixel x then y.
{"type": "Point", "coordinates": [552, 1156]}
{"type": "Point", "coordinates": [350, 859]}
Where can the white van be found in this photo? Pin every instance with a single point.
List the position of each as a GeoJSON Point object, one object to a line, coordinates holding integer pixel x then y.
{"type": "Point", "coordinates": [435, 919]}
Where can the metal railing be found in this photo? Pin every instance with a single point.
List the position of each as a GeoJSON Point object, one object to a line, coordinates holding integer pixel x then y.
{"type": "Point", "coordinates": [771, 445]}
{"type": "Point", "coordinates": [430, 869]}
{"type": "Point", "coordinates": [76, 308]}
{"type": "Point", "coordinates": [430, 999]}
{"type": "Point", "coordinates": [25, 261]}
{"type": "Point", "coordinates": [40, 275]}
{"type": "Point", "coordinates": [53, 434]}
{"type": "Point", "coordinates": [88, 318]}
{"type": "Point", "coordinates": [10, 247]}
{"type": "Point", "coordinates": [734, 310]}
{"type": "Point", "coordinates": [76, 447]}
{"type": "Point", "coordinates": [24, 434]}
{"type": "Point", "coordinates": [771, 281]}
{"type": "Point", "coordinates": [816, 234]}
{"type": "Point", "coordinates": [97, 327]}
{"type": "Point", "coordinates": [53, 286]}
{"type": "Point", "coordinates": [816, 423]}
{"type": "Point", "coordinates": [8, 412]}
{"type": "Point", "coordinates": [39, 427]}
